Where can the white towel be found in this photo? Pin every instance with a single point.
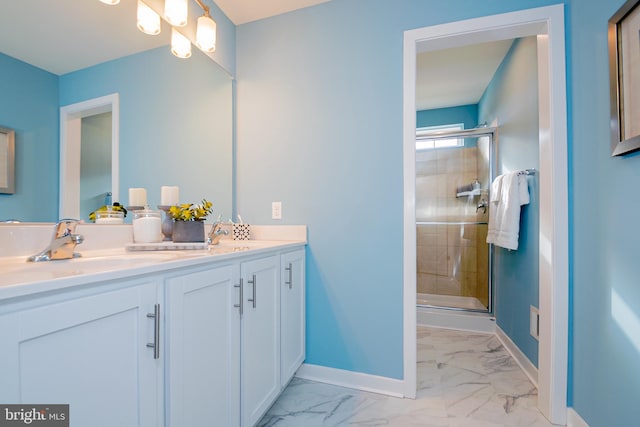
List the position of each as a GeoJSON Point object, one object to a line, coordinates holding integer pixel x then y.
{"type": "Point", "coordinates": [496, 188]}
{"type": "Point", "coordinates": [504, 213]}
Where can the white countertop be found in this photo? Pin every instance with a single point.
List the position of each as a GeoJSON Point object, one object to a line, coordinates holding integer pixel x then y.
{"type": "Point", "coordinates": [19, 278]}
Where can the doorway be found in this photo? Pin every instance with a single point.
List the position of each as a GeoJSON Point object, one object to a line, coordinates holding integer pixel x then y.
{"type": "Point", "coordinates": [547, 24]}
{"type": "Point", "coordinates": [71, 134]}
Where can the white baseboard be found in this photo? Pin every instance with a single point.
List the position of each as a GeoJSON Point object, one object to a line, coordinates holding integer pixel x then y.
{"type": "Point", "coordinates": [523, 361]}
{"type": "Point", "coordinates": [350, 379]}
{"type": "Point", "coordinates": [462, 321]}
{"type": "Point", "coordinates": [574, 419]}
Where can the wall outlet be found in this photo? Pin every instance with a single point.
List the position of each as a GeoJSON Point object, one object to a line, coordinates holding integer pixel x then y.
{"type": "Point", "coordinates": [534, 322]}
{"type": "Point", "coordinates": [276, 210]}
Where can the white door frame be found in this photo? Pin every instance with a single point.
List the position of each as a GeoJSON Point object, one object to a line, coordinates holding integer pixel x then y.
{"type": "Point", "coordinates": [70, 140]}
{"type": "Point", "coordinates": [547, 23]}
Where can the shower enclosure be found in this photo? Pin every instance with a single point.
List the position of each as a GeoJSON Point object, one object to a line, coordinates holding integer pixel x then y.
{"type": "Point", "coordinates": [454, 262]}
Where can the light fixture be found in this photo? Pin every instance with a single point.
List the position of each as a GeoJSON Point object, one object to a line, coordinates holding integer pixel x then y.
{"type": "Point", "coordinates": [148, 19]}
{"type": "Point", "coordinates": [206, 33]}
{"type": "Point", "coordinates": [176, 12]}
{"type": "Point", "coordinates": [180, 45]}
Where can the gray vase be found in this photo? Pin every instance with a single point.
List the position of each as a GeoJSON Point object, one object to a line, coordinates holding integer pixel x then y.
{"type": "Point", "coordinates": [188, 231]}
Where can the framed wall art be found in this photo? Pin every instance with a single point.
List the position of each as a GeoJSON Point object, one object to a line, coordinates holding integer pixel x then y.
{"type": "Point", "coordinates": [624, 75]}
{"type": "Point", "coordinates": [7, 161]}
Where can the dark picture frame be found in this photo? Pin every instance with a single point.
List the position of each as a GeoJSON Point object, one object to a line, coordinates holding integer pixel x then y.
{"type": "Point", "coordinates": [7, 161]}
{"type": "Point", "coordinates": [624, 76]}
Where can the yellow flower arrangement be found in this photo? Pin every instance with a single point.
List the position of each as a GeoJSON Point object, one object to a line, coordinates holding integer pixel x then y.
{"type": "Point", "coordinates": [191, 211]}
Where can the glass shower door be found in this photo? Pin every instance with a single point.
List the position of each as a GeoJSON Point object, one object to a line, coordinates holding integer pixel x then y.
{"type": "Point", "coordinates": [453, 258]}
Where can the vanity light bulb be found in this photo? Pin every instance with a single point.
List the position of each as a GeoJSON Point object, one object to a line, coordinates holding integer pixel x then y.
{"type": "Point", "coordinates": [148, 19]}
{"type": "Point", "coordinates": [176, 12]}
{"type": "Point", "coordinates": [206, 34]}
{"type": "Point", "coordinates": [110, 2]}
{"type": "Point", "coordinates": [180, 45]}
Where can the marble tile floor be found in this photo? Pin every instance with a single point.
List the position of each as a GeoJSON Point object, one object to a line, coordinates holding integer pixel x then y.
{"type": "Point", "coordinates": [465, 379]}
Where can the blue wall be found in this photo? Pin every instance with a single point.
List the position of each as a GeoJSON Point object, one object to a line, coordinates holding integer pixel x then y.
{"type": "Point", "coordinates": [467, 114]}
{"type": "Point", "coordinates": [605, 271]}
{"type": "Point", "coordinates": [511, 100]}
{"type": "Point", "coordinates": [175, 123]}
{"type": "Point", "coordinates": [320, 128]}
{"type": "Point", "coordinates": [29, 105]}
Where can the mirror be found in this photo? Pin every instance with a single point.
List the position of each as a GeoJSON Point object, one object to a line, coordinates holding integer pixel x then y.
{"type": "Point", "coordinates": [175, 116]}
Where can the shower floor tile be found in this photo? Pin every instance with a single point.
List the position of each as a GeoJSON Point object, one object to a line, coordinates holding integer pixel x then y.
{"type": "Point", "coordinates": [465, 379]}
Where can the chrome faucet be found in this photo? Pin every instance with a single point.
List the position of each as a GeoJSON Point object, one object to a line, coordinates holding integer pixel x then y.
{"type": "Point", "coordinates": [63, 242]}
{"type": "Point", "coordinates": [216, 233]}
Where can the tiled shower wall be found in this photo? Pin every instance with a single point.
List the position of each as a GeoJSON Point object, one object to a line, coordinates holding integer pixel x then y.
{"type": "Point", "coordinates": [452, 259]}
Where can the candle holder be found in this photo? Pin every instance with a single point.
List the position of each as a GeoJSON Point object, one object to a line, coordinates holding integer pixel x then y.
{"type": "Point", "coordinates": [167, 224]}
{"type": "Point", "coordinates": [135, 208]}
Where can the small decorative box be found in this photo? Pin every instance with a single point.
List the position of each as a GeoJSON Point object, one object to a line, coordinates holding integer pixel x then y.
{"type": "Point", "coordinates": [241, 232]}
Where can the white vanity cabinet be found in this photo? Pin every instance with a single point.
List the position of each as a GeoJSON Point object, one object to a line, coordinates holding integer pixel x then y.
{"type": "Point", "coordinates": [207, 341]}
{"type": "Point", "coordinates": [203, 348]}
{"type": "Point", "coordinates": [292, 314]}
{"type": "Point", "coordinates": [89, 351]}
{"type": "Point", "coordinates": [260, 334]}
{"type": "Point", "coordinates": [223, 338]}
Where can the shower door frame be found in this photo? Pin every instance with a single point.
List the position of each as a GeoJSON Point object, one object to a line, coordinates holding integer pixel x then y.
{"type": "Point", "coordinates": [468, 133]}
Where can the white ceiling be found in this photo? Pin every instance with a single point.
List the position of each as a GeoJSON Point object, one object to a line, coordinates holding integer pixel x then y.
{"type": "Point", "coordinates": [457, 76]}
{"type": "Point", "coordinates": [243, 11]}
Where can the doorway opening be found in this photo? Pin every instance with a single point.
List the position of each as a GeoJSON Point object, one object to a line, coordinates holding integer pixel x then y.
{"type": "Point", "coordinates": [547, 25]}
{"type": "Point", "coordinates": [71, 135]}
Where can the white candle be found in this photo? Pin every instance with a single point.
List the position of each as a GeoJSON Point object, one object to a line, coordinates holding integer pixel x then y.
{"type": "Point", "coordinates": [147, 230]}
{"type": "Point", "coordinates": [169, 196]}
{"type": "Point", "coordinates": [137, 197]}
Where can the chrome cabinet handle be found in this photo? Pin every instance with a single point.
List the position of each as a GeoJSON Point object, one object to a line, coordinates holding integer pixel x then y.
{"type": "Point", "coordinates": [239, 305]}
{"type": "Point", "coordinates": [155, 345]}
{"type": "Point", "coordinates": [290, 281]}
{"type": "Point", "coordinates": [253, 283]}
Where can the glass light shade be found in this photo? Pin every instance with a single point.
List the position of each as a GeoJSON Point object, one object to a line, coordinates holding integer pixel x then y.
{"type": "Point", "coordinates": [148, 19]}
{"type": "Point", "coordinates": [180, 45]}
{"type": "Point", "coordinates": [110, 2]}
{"type": "Point", "coordinates": [176, 12]}
{"type": "Point", "coordinates": [206, 34]}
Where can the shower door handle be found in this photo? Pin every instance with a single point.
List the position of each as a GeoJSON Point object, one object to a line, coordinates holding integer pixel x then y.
{"type": "Point", "coordinates": [482, 205]}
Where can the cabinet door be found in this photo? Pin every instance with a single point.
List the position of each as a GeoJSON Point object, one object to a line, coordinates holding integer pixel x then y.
{"type": "Point", "coordinates": [204, 348]}
{"type": "Point", "coordinates": [292, 314]}
{"type": "Point", "coordinates": [91, 353]}
{"type": "Point", "coordinates": [260, 369]}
